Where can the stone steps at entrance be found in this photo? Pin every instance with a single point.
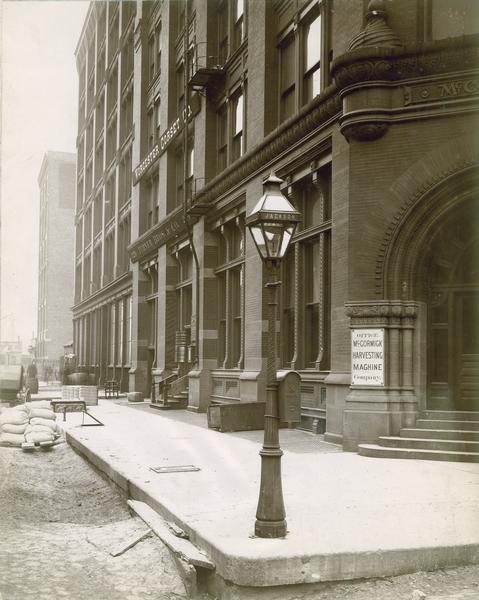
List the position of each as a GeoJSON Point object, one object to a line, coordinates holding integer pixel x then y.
{"type": "Point", "coordinates": [376, 451]}
{"type": "Point", "coordinates": [449, 415]}
{"type": "Point", "coordinates": [438, 435]}
{"type": "Point", "coordinates": [429, 444]}
{"type": "Point", "coordinates": [441, 434]}
{"type": "Point", "coordinates": [177, 401]}
{"type": "Point", "coordinates": [438, 424]}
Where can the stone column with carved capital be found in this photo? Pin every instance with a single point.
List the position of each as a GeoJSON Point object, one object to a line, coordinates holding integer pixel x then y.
{"type": "Point", "coordinates": [386, 353]}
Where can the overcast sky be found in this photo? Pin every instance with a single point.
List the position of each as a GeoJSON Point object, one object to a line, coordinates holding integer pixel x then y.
{"type": "Point", "coordinates": [39, 113]}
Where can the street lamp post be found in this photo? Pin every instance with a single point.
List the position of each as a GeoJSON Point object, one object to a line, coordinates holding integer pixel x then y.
{"type": "Point", "coordinates": [272, 223]}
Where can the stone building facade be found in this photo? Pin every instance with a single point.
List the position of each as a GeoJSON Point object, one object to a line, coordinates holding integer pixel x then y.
{"type": "Point", "coordinates": [56, 182]}
{"type": "Point", "coordinates": [368, 113]}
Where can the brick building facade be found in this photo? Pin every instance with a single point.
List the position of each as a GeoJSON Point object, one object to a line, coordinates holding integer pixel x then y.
{"type": "Point", "coordinates": [369, 115]}
{"type": "Point", "coordinates": [56, 181]}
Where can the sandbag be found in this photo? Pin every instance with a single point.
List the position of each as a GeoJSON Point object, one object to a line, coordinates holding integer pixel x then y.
{"type": "Point", "coordinates": [13, 417]}
{"type": "Point", "coordinates": [12, 439]}
{"type": "Point", "coordinates": [39, 436]}
{"type": "Point", "coordinates": [40, 404]}
{"type": "Point", "coordinates": [9, 428]}
{"type": "Point", "coordinates": [38, 428]}
{"type": "Point", "coordinates": [45, 422]}
{"type": "Point", "coordinates": [44, 413]}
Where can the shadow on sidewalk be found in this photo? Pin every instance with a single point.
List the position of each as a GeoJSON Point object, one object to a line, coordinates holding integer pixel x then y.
{"type": "Point", "coordinates": [292, 440]}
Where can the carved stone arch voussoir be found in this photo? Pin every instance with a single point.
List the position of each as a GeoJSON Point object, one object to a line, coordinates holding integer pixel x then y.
{"type": "Point", "coordinates": [429, 189]}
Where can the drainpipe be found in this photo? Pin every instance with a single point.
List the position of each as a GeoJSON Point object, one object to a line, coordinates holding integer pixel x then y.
{"type": "Point", "coordinates": [189, 226]}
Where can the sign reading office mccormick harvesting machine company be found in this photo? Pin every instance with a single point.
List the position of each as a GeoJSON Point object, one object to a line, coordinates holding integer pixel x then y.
{"type": "Point", "coordinates": [367, 357]}
{"type": "Point", "coordinates": [166, 138]}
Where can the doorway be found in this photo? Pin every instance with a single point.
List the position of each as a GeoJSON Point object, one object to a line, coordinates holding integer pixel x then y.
{"type": "Point", "coordinates": [453, 317]}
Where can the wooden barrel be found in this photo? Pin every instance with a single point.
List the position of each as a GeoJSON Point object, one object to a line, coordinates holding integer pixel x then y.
{"type": "Point", "coordinates": [78, 379]}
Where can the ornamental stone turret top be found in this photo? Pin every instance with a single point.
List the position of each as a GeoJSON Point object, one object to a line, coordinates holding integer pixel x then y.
{"type": "Point", "coordinates": [377, 32]}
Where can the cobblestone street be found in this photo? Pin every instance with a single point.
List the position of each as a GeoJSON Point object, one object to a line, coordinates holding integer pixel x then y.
{"type": "Point", "coordinates": [59, 522]}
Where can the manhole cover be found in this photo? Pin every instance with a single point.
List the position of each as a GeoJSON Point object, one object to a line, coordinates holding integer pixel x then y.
{"type": "Point", "coordinates": [175, 469]}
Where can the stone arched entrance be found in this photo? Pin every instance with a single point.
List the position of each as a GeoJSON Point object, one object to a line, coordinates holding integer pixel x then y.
{"type": "Point", "coordinates": [453, 312]}
{"type": "Point", "coordinates": [435, 260]}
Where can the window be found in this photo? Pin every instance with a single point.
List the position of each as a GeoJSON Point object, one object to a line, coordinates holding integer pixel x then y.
{"type": "Point", "coordinates": [223, 32]}
{"type": "Point", "coordinates": [88, 224]}
{"type": "Point", "coordinates": [230, 277]}
{"type": "Point", "coordinates": [222, 138]}
{"type": "Point", "coordinates": [77, 283]}
{"type": "Point", "coordinates": [157, 119]}
{"type": "Point", "coordinates": [109, 258]}
{"type": "Point", "coordinates": [128, 8]}
{"type": "Point", "coordinates": [127, 61]}
{"type": "Point", "coordinates": [238, 25]}
{"type": "Point", "coordinates": [180, 89]}
{"type": "Point", "coordinates": [311, 58]}
{"type": "Point", "coordinates": [158, 43]}
{"type": "Point", "coordinates": [184, 261]}
{"type": "Point", "coordinates": [99, 162]}
{"type": "Point", "coordinates": [113, 38]}
{"type": "Point", "coordinates": [230, 130]}
{"type": "Point", "coordinates": [181, 8]}
{"type": "Point", "coordinates": [100, 116]}
{"type": "Point", "coordinates": [238, 120]}
{"type": "Point", "coordinates": [100, 69]}
{"type": "Point", "coordinates": [287, 79]}
{"type": "Point", "coordinates": [96, 268]}
{"type": "Point", "coordinates": [125, 178]}
{"type": "Point", "coordinates": [88, 178]}
{"type": "Point", "coordinates": [97, 215]}
{"type": "Point", "coordinates": [190, 171]}
{"type": "Point", "coordinates": [110, 198]}
{"type": "Point", "coordinates": [121, 325]}
{"type": "Point", "coordinates": [123, 243]}
{"type": "Point", "coordinates": [180, 173]}
{"type": "Point", "coordinates": [111, 141]}
{"type": "Point", "coordinates": [231, 26]}
{"type": "Point", "coordinates": [153, 202]}
{"type": "Point", "coordinates": [129, 328]}
{"type": "Point", "coordinates": [112, 90]}
{"type": "Point", "coordinates": [126, 122]}
{"type": "Point", "coordinates": [151, 128]}
{"type": "Point", "coordinates": [111, 353]}
{"type": "Point", "coordinates": [302, 49]}
{"type": "Point", "coordinates": [151, 56]}
{"type": "Point", "coordinates": [306, 275]}
{"type": "Point", "coordinates": [86, 276]}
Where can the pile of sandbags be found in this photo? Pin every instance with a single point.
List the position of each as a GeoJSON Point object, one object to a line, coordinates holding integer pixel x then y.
{"type": "Point", "coordinates": [32, 422]}
{"type": "Point", "coordinates": [13, 423]}
{"type": "Point", "coordinates": [42, 425]}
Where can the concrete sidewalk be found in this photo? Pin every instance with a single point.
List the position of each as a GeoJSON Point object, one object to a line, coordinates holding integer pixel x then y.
{"type": "Point", "coordinates": [348, 516]}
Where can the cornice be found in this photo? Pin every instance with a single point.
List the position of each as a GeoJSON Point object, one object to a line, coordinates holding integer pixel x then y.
{"type": "Point", "coordinates": [319, 111]}
{"type": "Point", "coordinates": [437, 64]}
{"type": "Point", "coordinates": [399, 63]}
{"type": "Point", "coordinates": [104, 295]}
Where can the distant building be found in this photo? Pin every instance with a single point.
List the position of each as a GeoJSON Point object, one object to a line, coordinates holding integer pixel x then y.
{"type": "Point", "coordinates": [55, 268]}
{"type": "Point", "coordinates": [368, 113]}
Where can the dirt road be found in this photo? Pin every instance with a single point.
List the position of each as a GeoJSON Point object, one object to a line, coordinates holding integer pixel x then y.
{"type": "Point", "coordinates": [59, 521]}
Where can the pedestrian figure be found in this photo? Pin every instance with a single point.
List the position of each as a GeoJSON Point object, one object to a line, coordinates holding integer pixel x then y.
{"type": "Point", "coordinates": [32, 369]}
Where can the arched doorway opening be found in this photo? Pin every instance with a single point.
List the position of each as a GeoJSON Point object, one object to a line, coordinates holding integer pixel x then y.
{"type": "Point", "coordinates": [452, 275]}
{"type": "Point", "coordinates": [434, 259]}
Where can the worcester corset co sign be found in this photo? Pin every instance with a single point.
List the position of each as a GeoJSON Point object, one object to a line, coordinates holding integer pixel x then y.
{"type": "Point", "coordinates": [165, 140]}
